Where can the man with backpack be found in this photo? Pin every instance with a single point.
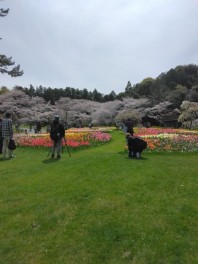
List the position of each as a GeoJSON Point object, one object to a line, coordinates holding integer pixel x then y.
{"type": "Point", "coordinates": [1, 139]}
{"type": "Point", "coordinates": [7, 134]}
{"type": "Point", "coordinates": [57, 133]}
{"type": "Point", "coordinates": [129, 126]}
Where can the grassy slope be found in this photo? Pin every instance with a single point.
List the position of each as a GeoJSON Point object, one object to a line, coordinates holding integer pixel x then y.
{"type": "Point", "coordinates": [99, 207]}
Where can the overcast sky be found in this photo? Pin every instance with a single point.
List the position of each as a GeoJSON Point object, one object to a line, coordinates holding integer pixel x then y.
{"type": "Point", "coordinates": [97, 44]}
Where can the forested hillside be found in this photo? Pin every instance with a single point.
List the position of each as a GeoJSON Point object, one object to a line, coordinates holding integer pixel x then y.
{"type": "Point", "coordinates": [175, 86]}
{"type": "Point", "coordinates": [169, 100]}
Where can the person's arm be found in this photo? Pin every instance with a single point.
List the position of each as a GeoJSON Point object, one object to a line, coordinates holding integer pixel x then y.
{"type": "Point", "coordinates": [10, 129]}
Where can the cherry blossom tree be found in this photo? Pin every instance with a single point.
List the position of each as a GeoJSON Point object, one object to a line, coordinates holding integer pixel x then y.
{"type": "Point", "coordinates": [189, 114]}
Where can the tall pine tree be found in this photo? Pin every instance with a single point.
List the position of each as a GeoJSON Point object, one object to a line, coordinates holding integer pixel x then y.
{"type": "Point", "coordinates": [6, 63]}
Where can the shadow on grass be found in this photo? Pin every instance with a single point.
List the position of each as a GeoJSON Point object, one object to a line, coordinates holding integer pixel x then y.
{"type": "Point", "coordinates": [46, 161]}
{"type": "Point", "coordinates": [6, 159]}
{"type": "Point", "coordinates": [133, 158]}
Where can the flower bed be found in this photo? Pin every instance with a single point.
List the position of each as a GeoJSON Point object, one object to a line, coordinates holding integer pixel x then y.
{"type": "Point", "coordinates": [159, 139]}
{"type": "Point", "coordinates": [74, 139]}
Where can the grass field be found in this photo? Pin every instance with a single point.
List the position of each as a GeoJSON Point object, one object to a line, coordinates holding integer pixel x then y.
{"type": "Point", "coordinates": [99, 207]}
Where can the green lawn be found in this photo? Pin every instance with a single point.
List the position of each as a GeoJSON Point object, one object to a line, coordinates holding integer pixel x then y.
{"type": "Point", "coordinates": [99, 207]}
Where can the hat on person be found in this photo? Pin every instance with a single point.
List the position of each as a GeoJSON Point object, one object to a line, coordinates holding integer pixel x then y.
{"type": "Point", "coordinates": [7, 114]}
{"type": "Point", "coordinates": [56, 117]}
{"type": "Point", "coordinates": [128, 135]}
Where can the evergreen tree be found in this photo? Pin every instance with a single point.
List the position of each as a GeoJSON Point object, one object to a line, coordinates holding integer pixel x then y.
{"type": "Point", "coordinates": [6, 63]}
{"type": "Point", "coordinates": [97, 96]}
{"type": "Point", "coordinates": [3, 12]}
{"type": "Point", "coordinates": [3, 90]}
{"type": "Point", "coordinates": [85, 94]}
{"type": "Point", "coordinates": [128, 87]}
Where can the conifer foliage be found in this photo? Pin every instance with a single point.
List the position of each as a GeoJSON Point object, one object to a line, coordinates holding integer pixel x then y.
{"type": "Point", "coordinates": [6, 63]}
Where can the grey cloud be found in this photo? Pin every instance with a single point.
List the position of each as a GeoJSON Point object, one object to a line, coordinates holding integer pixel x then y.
{"type": "Point", "coordinates": [97, 43]}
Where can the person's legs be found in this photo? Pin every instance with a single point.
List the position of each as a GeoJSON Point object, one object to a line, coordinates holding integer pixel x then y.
{"type": "Point", "coordinates": [130, 151]}
{"type": "Point", "coordinates": [53, 149]}
{"type": "Point", "coordinates": [1, 145]}
{"type": "Point", "coordinates": [137, 155]}
{"type": "Point", "coordinates": [10, 153]}
{"type": "Point", "coordinates": [59, 144]}
{"type": "Point", "coordinates": [5, 146]}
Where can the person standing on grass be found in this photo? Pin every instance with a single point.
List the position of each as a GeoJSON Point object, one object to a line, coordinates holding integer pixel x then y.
{"type": "Point", "coordinates": [129, 126]}
{"type": "Point", "coordinates": [1, 139]}
{"type": "Point", "coordinates": [7, 134]}
{"type": "Point", "coordinates": [38, 127]}
{"type": "Point", "coordinates": [57, 133]}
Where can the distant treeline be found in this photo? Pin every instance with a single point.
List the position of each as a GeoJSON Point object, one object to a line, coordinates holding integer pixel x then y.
{"type": "Point", "coordinates": [176, 85]}
{"type": "Point", "coordinates": [54, 94]}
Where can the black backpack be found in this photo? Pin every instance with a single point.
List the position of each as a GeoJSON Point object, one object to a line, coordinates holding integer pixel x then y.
{"type": "Point", "coordinates": [11, 144]}
{"type": "Point", "coordinates": [55, 132]}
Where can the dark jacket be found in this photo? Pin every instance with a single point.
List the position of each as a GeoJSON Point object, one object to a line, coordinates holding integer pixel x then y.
{"type": "Point", "coordinates": [129, 125]}
{"type": "Point", "coordinates": [136, 144]}
{"type": "Point", "coordinates": [57, 131]}
{"type": "Point", "coordinates": [1, 139]}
